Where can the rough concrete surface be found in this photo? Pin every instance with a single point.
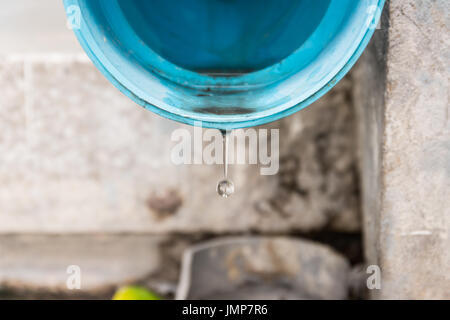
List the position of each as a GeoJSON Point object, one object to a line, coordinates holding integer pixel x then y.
{"type": "Point", "coordinates": [35, 261]}
{"type": "Point", "coordinates": [409, 228]}
{"type": "Point", "coordinates": [369, 98]}
{"type": "Point", "coordinates": [318, 177]}
{"type": "Point", "coordinates": [78, 156]}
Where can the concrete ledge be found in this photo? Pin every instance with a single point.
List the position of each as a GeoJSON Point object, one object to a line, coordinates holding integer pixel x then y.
{"type": "Point", "coordinates": [78, 156]}
{"type": "Point", "coordinates": [36, 261]}
{"type": "Point", "coordinates": [403, 99]}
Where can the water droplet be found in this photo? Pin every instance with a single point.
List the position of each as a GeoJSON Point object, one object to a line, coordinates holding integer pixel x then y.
{"type": "Point", "coordinates": [225, 188]}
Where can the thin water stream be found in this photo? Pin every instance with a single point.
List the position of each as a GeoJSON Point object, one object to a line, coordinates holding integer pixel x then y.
{"type": "Point", "coordinates": [225, 187]}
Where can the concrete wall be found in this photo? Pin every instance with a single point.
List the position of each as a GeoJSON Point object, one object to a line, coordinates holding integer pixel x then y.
{"type": "Point", "coordinates": [78, 156]}
{"type": "Point", "coordinates": [402, 98]}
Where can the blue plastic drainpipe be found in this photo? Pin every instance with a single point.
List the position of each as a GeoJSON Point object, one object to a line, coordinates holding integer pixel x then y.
{"type": "Point", "coordinates": [225, 63]}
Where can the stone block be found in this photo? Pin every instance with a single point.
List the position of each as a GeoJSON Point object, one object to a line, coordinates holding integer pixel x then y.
{"type": "Point", "coordinates": [43, 262]}
{"type": "Point", "coordinates": [403, 101]}
{"type": "Point", "coordinates": [81, 157]}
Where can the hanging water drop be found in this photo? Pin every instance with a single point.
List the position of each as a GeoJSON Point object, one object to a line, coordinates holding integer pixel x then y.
{"type": "Point", "coordinates": [225, 187]}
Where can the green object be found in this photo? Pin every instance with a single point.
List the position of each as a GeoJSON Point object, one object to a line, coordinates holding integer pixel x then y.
{"type": "Point", "coordinates": [135, 293]}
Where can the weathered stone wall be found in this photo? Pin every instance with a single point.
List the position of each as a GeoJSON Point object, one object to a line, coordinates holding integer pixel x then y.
{"type": "Point", "coordinates": [402, 95]}
{"type": "Point", "coordinates": [79, 158]}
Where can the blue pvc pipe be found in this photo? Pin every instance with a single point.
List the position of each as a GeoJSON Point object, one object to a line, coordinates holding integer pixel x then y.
{"type": "Point", "coordinates": [227, 63]}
